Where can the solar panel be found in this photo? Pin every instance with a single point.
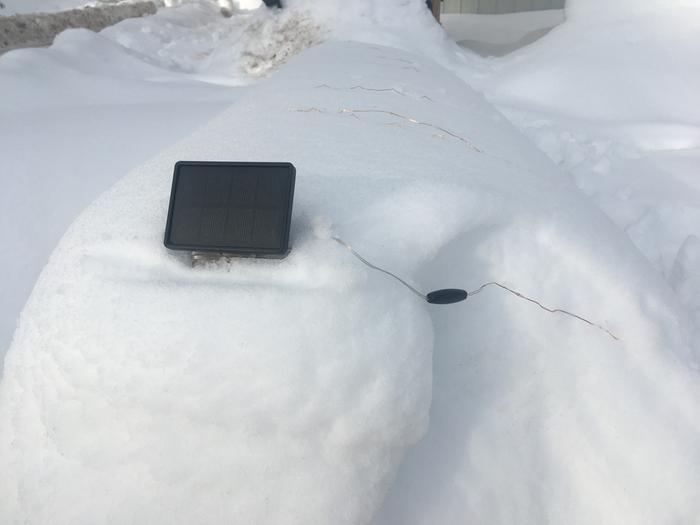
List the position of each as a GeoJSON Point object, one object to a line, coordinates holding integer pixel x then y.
{"type": "Point", "coordinates": [232, 208]}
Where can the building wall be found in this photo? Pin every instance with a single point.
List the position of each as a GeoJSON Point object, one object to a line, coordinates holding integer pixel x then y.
{"type": "Point", "coordinates": [486, 7]}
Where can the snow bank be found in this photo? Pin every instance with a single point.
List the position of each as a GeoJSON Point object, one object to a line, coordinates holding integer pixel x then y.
{"type": "Point", "coordinates": [289, 391]}
{"type": "Point", "coordinates": [272, 36]}
{"type": "Point", "coordinates": [298, 378]}
{"type": "Point", "coordinates": [609, 96]}
{"type": "Point", "coordinates": [640, 67]}
{"type": "Point", "coordinates": [74, 118]}
{"type": "Point", "coordinates": [253, 44]}
{"type": "Point", "coordinates": [612, 96]}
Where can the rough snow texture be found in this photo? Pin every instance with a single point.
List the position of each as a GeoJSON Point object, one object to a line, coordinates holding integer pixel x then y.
{"type": "Point", "coordinates": [121, 96]}
{"type": "Point", "coordinates": [273, 40]}
{"type": "Point", "coordinates": [614, 101]}
{"type": "Point", "coordinates": [290, 391]}
{"type": "Point", "coordinates": [75, 117]}
{"type": "Point", "coordinates": [256, 384]}
{"type": "Point", "coordinates": [233, 392]}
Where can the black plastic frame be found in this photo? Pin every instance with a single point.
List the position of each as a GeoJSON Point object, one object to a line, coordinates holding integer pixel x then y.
{"type": "Point", "coordinates": [281, 252]}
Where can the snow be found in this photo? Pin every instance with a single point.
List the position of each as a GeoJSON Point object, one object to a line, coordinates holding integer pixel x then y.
{"type": "Point", "coordinates": [313, 389]}
{"type": "Point", "coordinates": [618, 109]}
{"type": "Point", "coordinates": [75, 117]}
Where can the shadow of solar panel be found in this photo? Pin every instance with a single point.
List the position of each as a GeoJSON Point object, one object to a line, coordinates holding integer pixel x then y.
{"type": "Point", "coordinates": [232, 208]}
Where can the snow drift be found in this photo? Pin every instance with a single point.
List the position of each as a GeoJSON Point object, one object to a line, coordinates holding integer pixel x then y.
{"type": "Point", "coordinates": [314, 390]}
{"type": "Point", "coordinates": [611, 96]}
{"type": "Point", "coordinates": [77, 116]}
{"type": "Point", "coordinates": [635, 64]}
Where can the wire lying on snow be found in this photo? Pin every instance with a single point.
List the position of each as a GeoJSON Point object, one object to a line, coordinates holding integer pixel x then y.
{"type": "Point", "coordinates": [417, 122]}
{"type": "Point", "coordinates": [477, 291]}
{"type": "Point", "coordinates": [363, 88]}
{"type": "Point", "coordinates": [366, 262]}
{"type": "Point", "coordinates": [354, 112]}
{"type": "Point", "coordinates": [545, 308]}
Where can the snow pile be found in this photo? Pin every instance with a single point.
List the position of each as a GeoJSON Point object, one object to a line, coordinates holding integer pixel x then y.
{"type": "Point", "coordinates": [276, 35]}
{"type": "Point", "coordinates": [74, 118]}
{"type": "Point", "coordinates": [289, 391]}
{"type": "Point", "coordinates": [253, 44]}
{"type": "Point", "coordinates": [298, 391]}
{"type": "Point", "coordinates": [612, 96]}
{"type": "Point", "coordinates": [274, 380]}
{"type": "Point", "coordinates": [273, 37]}
{"type": "Point", "coordinates": [193, 38]}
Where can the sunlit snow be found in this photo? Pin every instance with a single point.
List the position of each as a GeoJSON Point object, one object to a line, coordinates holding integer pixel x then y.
{"type": "Point", "coordinates": [314, 390]}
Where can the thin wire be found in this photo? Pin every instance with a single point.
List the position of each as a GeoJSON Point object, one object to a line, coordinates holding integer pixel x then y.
{"type": "Point", "coordinates": [415, 121]}
{"type": "Point", "coordinates": [478, 291]}
{"type": "Point", "coordinates": [550, 310]}
{"type": "Point", "coordinates": [365, 261]}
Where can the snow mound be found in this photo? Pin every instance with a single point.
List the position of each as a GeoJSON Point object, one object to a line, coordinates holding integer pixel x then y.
{"type": "Point", "coordinates": [638, 67]}
{"type": "Point", "coordinates": [85, 68]}
{"type": "Point", "coordinates": [290, 391]}
{"type": "Point", "coordinates": [611, 96]}
{"type": "Point", "coordinates": [273, 37]}
{"type": "Point", "coordinates": [75, 117]}
{"type": "Point", "coordinates": [193, 36]}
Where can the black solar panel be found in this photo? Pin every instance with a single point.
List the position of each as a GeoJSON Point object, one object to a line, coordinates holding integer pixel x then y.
{"type": "Point", "coordinates": [237, 208]}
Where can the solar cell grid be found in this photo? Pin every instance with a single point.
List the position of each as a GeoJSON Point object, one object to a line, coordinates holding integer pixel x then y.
{"type": "Point", "coordinates": [231, 208]}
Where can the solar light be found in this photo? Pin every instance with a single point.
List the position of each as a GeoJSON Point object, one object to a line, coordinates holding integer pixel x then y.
{"type": "Point", "coordinates": [231, 208]}
{"type": "Point", "coordinates": [245, 209]}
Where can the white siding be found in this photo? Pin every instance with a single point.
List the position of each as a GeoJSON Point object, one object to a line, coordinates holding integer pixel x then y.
{"type": "Point", "coordinates": [499, 6]}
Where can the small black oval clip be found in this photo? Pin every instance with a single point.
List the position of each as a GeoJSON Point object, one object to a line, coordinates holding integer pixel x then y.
{"type": "Point", "coordinates": [446, 296]}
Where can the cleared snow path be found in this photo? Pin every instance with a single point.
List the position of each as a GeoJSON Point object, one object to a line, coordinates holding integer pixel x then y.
{"type": "Point", "coordinates": [289, 391]}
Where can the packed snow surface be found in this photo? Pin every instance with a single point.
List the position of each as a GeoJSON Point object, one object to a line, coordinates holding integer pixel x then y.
{"type": "Point", "coordinates": [313, 389]}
